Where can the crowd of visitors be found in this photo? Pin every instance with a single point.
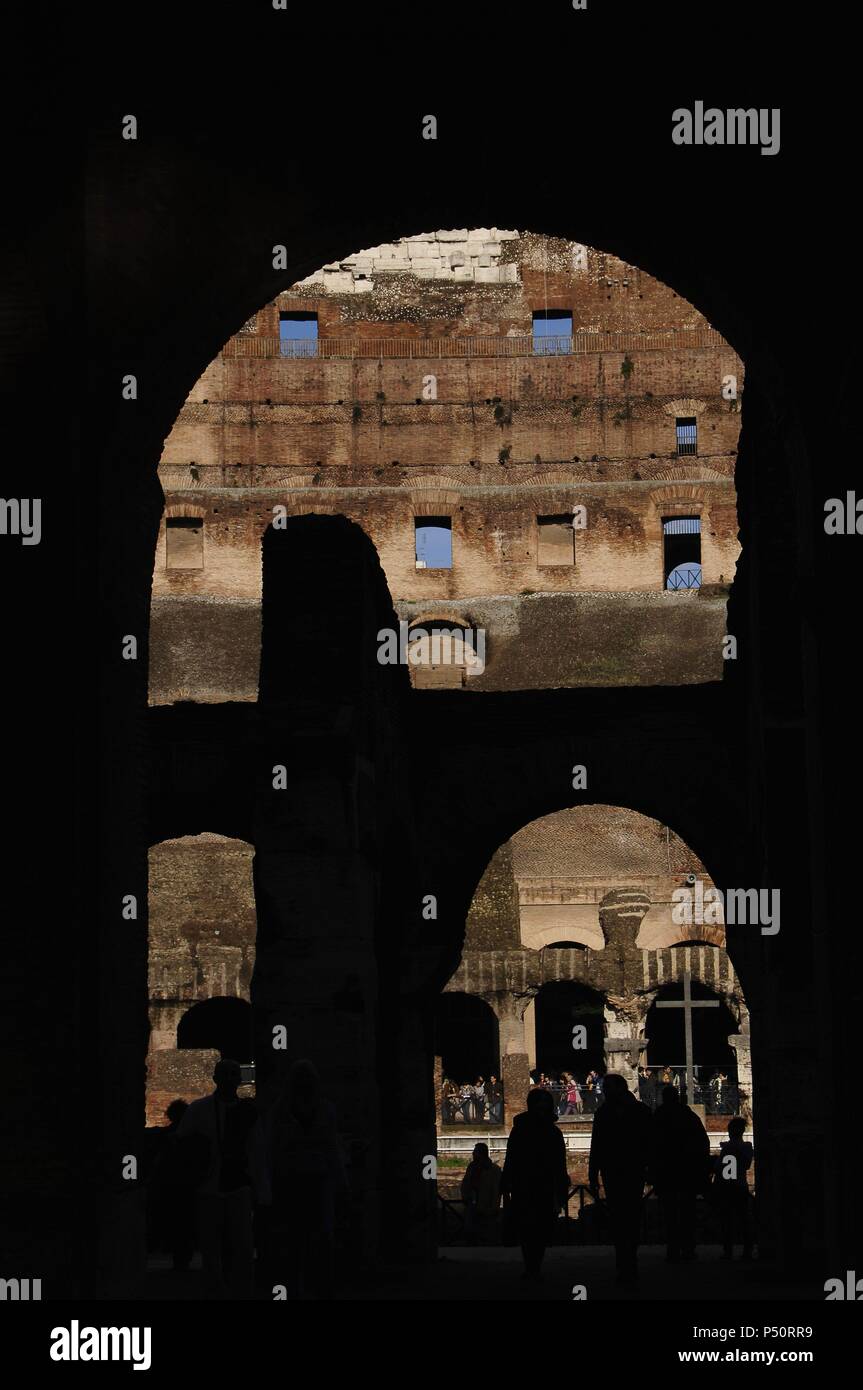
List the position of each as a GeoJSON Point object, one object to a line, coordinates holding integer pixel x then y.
{"type": "Point", "coordinates": [713, 1088]}
{"type": "Point", "coordinates": [472, 1102]}
{"type": "Point", "coordinates": [573, 1095]}
{"type": "Point", "coordinates": [233, 1177]}
{"type": "Point", "coordinates": [632, 1147]}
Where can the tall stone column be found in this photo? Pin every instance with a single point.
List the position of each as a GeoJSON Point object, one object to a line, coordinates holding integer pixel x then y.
{"type": "Point", "coordinates": [530, 1033]}
{"type": "Point", "coordinates": [514, 1060]}
{"type": "Point", "coordinates": [741, 1044]}
{"type": "Point", "coordinates": [515, 1074]}
{"type": "Point", "coordinates": [620, 915]}
{"type": "Point", "coordinates": [438, 1086]}
{"type": "Point", "coordinates": [624, 1025]}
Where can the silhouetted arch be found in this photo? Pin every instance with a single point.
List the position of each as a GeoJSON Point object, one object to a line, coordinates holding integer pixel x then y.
{"type": "Point", "coordinates": [561, 1007]}
{"type": "Point", "coordinates": [710, 1032]}
{"type": "Point", "coordinates": [224, 1024]}
{"type": "Point", "coordinates": [466, 1037]}
{"type": "Point", "coordinates": [314, 593]}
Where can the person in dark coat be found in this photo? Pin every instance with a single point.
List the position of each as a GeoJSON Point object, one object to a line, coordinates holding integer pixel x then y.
{"type": "Point", "coordinates": [679, 1170]}
{"type": "Point", "coordinates": [171, 1194]}
{"type": "Point", "coordinates": [535, 1182]}
{"type": "Point", "coordinates": [619, 1151]}
{"type": "Point", "coordinates": [732, 1188]}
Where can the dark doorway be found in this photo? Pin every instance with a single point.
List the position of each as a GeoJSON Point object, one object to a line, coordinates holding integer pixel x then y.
{"type": "Point", "coordinates": [466, 1038]}
{"type": "Point", "coordinates": [681, 555]}
{"type": "Point", "coordinates": [560, 1008]}
{"type": "Point", "coordinates": [224, 1024]}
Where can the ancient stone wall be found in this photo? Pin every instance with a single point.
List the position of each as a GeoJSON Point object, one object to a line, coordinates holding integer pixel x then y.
{"type": "Point", "coordinates": [202, 929]}
{"type": "Point", "coordinates": [427, 395]}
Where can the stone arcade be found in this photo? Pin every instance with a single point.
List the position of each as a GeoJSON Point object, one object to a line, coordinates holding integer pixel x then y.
{"type": "Point", "coordinates": [396, 794]}
{"type": "Point", "coordinates": [267, 613]}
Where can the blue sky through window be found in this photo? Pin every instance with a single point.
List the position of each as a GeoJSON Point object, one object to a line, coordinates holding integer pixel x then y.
{"type": "Point", "coordinates": [685, 576]}
{"type": "Point", "coordinates": [434, 544]}
{"type": "Point", "coordinates": [298, 334]}
{"type": "Point", "coordinates": [552, 330]}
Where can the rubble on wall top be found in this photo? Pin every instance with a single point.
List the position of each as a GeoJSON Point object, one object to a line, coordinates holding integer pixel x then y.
{"type": "Point", "coordinates": [460, 254]}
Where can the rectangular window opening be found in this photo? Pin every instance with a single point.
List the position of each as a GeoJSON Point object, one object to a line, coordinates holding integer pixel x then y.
{"type": "Point", "coordinates": [552, 331]}
{"type": "Point", "coordinates": [433, 542]}
{"type": "Point", "coordinates": [556, 540]}
{"type": "Point", "coordinates": [686, 428]}
{"type": "Point", "coordinates": [298, 335]}
{"type": "Point", "coordinates": [184, 543]}
{"type": "Point", "coordinates": [681, 545]}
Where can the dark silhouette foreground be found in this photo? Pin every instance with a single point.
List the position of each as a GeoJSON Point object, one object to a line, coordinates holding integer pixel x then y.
{"type": "Point", "coordinates": [535, 1182]}
{"type": "Point", "coordinates": [619, 1151]}
{"type": "Point", "coordinates": [679, 1169]}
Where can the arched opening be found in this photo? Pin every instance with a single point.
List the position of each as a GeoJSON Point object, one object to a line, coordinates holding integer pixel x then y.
{"type": "Point", "coordinates": [681, 554]}
{"type": "Point", "coordinates": [201, 324]}
{"type": "Point", "coordinates": [466, 1037]}
{"type": "Point", "coordinates": [224, 1025]}
{"type": "Point", "coordinates": [714, 1060]}
{"type": "Point", "coordinates": [569, 1040]}
{"type": "Point", "coordinates": [311, 642]}
{"type": "Point", "coordinates": [442, 653]}
{"type": "Point", "coordinates": [478, 518]}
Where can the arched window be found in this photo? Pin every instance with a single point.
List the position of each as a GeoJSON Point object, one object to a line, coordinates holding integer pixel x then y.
{"type": "Point", "coordinates": [713, 1057]}
{"type": "Point", "coordinates": [441, 653]}
{"type": "Point", "coordinates": [562, 1006]}
{"type": "Point", "coordinates": [466, 1037]}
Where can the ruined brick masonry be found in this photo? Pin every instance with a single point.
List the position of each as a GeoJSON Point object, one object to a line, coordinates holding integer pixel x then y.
{"type": "Point", "coordinates": [427, 394]}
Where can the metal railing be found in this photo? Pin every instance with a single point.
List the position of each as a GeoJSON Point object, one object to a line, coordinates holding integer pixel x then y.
{"type": "Point", "coordinates": [571, 1105]}
{"type": "Point", "coordinates": [684, 578]}
{"type": "Point", "coordinates": [549, 345]}
{"type": "Point", "coordinates": [717, 1097]}
{"type": "Point", "coordinates": [461, 1108]}
{"type": "Point", "coordinates": [518, 345]}
{"type": "Point", "coordinates": [585, 1220]}
{"type": "Point", "coordinates": [687, 439]}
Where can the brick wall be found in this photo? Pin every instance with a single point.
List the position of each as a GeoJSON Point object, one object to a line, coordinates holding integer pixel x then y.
{"type": "Point", "coordinates": [504, 440]}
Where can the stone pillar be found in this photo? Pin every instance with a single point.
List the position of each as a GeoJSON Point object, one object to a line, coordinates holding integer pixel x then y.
{"type": "Point", "coordinates": [740, 1043]}
{"type": "Point", "coordinates": [515, 1074]}
{"type": "Point", "coordinates": [622, 1024]}
{"type": "Point", "coordinates": [514, 1060]}
{"type": "Point", "coordinates": [438, 1082]}
{"type": "Point", "coordinates": [530, 1033]}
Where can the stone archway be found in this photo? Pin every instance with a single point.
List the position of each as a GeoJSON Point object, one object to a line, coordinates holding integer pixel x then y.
{"type": "Point", "coordinates": [600, 881]}
{"type": "Point", "coordinates": [199, 325]}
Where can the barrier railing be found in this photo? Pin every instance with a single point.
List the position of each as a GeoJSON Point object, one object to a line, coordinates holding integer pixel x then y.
{"type": "Point", "coordinates": [585, 1220]}
{"type": "Point", "coordinates": [465, 1107]}
{"type": "Point", "coordinates": [684, 578]}
{"type": "Point", "coordinates": [519, 345]}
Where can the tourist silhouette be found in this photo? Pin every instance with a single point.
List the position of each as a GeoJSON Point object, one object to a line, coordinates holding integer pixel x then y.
{"type": "Point", "coordinates": [170, 1192]}
{"type": "Point", "coordinates": [535, 1182]}
{"type": "Point", "coordinates": [619, 1151]}
{"type": "Point", "coordinates": [679, 1169]}
{"type": "Point", "coordinates": [221, 1127]}
{"type": "Point", "coordinates": [732, 1189]}
{"type": "Point", "coordinates": [480, 1194]}
{"type": "Point", "coordinates": [307, 1175]}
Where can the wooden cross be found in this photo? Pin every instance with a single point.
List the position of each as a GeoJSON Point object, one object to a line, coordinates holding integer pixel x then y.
{"type": "Point", "coordinates": [687, 1003]}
